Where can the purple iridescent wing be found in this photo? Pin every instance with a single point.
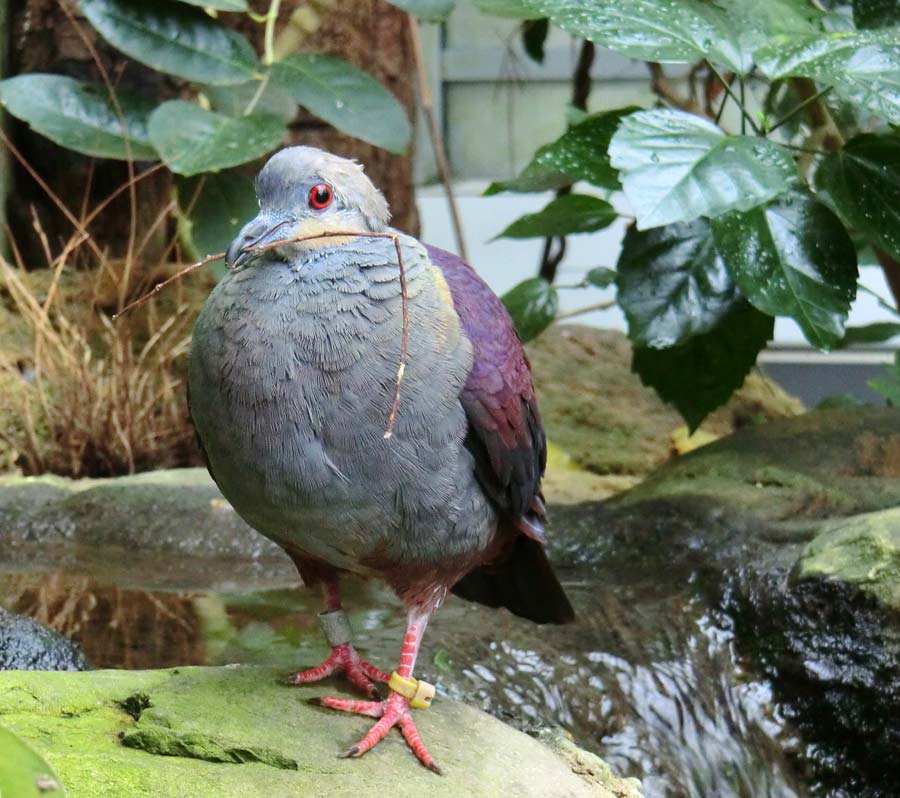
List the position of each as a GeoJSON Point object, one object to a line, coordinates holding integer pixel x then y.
{"type": "Point", "coordinates": [505, 434]}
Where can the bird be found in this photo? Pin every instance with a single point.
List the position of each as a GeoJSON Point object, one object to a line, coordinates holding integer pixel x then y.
{"type": "Point", "coordinates": [292, 376]}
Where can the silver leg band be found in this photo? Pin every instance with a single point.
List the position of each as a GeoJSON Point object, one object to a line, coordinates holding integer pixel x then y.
{"type": "Point", "coordinates": [336, 627]}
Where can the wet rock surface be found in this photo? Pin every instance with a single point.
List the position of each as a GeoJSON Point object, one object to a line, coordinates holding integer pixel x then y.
{"type": "Point", "coordinates": [28, 646]}
{"type": "Point", "coordinates": [737, 612]}
{"type": "Point", "coordinates": [792, 530]}
{"type": "Point", "coordinates": [239, 732]}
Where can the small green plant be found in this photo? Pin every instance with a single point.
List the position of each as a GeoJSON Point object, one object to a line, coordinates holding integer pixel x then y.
{"type": "Point", "coordinates": [236, 109]}
{"type": "Point", "coordinates": [731, 228]}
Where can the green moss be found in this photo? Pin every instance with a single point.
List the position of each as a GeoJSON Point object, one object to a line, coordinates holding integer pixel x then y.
{"type": "Point", "coordinates": [167, 742]}
{"type": "Point", "coordinates": [863, 550]}
{"type": "Point", "coordinates": [235, 732]}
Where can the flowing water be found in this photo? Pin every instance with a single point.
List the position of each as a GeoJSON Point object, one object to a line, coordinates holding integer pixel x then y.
{"type": "Point", "coordinates": [648, 677]}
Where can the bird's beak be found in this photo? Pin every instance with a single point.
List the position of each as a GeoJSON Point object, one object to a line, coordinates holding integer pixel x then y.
{"type": "Point", "coordinates": [256, 234]}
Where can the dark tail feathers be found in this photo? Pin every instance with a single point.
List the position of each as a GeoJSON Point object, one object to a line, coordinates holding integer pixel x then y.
{"type": "Point", "coordinates": [523, 581]}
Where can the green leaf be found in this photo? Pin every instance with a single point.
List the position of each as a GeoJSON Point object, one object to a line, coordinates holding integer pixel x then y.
{"type": "Point", "coordinates": [700, 374]}
{"type": "Point", "coordinates": [192, 140]}
{"type": "Point", "coordinates": [874, 333]}
{"type": "Point", "coordinates": [675, 166]}
{"type": "Point", "coordinates": [863, 66]}
{"type": "Point", "coordinates": [344, 96]}
{"type": "Point", "coordinates": [174, 38]}
{"type": "Point", "coordinates": [534, 36]}
{"type": "Point", "coordinates": [566, 215]}
{"type": "Point", "coordinates": [427, 10]}
{"type": "Point", "coordinates": [876, 13]}
{"type": "Point", "coordinates": [219, 5]}
{"type": "Point", "coordinates": [672, 284]}
{"type": "Point", "coordinates": [214, 208]}
{"type": "Point", "coordinates": [579, 154]}
{"type": "Point", "coordinates": [80, 116]}
{"type": "Point", "coordinates": [887, 383]}
{"type": "Point", "coordinates": [533, 305]}
{"type": "Point", "coordinates": [513, 9]}
{"type": "Point", "coordinates": [862, 183]}
{"type": "Point", "coordinates": [600, 277]}
{"type": "Point", "coordinates": [792, 258]}
{"type": "Point", "coordinates": [678, 31]}
{"type": "Point", "coordinates": [234, 100]}
{"type": "Point", "coordinates": [23, 772]}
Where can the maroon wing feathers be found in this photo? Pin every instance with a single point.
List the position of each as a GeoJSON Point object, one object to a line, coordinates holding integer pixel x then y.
{"type": "Point", "coordinates": [505, 431]}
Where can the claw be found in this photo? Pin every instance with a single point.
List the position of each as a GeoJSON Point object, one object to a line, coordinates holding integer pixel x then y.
{"type": "Point", "coordinates": [344, 659]}
{"type": "Point", "coordinates": [394, 711]}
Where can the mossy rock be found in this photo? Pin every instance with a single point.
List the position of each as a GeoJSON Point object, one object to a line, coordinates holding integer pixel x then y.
{"type": "Point", "coordinates": [598, 411]}
{"type": "Point", "coordinates": [240, 732]}
{"type": "Point", "coordinates": [863, 550]}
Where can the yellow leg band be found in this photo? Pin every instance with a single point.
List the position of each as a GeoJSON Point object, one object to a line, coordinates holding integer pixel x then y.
{"type": "Point", "coordinates": [418, 692]}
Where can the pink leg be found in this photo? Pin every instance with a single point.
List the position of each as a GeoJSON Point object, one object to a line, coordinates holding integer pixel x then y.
{"type": "Point", "coordinates": [343, 657]}
{"type": "Point", "coordinates": [395, 710]}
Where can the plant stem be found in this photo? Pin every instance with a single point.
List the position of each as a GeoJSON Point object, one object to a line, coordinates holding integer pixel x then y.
{"type": "Point", "coordinates": [254, 100]}
{"type": "Point", "coordinates": [737, 100]}
{"type": "Point", "coordinates": [610, 303]}
{"type": "Point", "coordinates": [269, 40]}
{"type": "Point", "coordinates": [798, 108]}
{"type": "Point", "coordinates": [581, 89]}
{"type": "Point", "coordinates": [437, 140]}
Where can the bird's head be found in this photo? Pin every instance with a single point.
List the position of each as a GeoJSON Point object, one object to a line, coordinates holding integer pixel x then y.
{"type": "Point", "coordinates": [303, 191]}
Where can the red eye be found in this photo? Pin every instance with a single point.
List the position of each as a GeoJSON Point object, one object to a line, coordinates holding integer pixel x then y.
{"type": "Point", "coordinates": [320, 196]}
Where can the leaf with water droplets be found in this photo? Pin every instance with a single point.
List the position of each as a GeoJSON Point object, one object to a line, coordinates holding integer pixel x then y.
{"type": "Point", "coordinates": [566, 215]}
{"type": "Point", "coordinates": [673, 31]}
{"type": "Point", "coordinates": [672, 284]}
{"type": "Point", "coordinates": [533, 305]}
{"type": "Point", "coordinates": [579, 154]}
{"type": "Point", "coordinates": [676, 167]}
{"type": "Point", "coordinates": [346, 97]}
{"type": "Point", "coordinates": [863, 66]}
{"type": "Point", "coordinates": [700, 374]}
{"type": "Point", "coordinates": [792, 258]}
{"type": "Point", "coordinates": [862, 183]}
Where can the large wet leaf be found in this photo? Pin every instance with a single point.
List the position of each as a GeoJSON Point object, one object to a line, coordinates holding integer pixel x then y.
{"type": "Point", "coordinates": [876, 13]}
{"type": "Point", "coordinates": [174, 38]}
{"type": "Point", "coordinates": [213, 209]}
{"type": "Point", "coordinates": [533, 305]}
{"type": "Point", "coordinates": [863, 66]}
{"type": "Point", "coordinates": [678, 31]}
{"type": "Point", "coordinates": [672, 284]}
{"type": "Point", "coordinates": [192, 140]}
{"type": "Point", "coordinates": [346, 97]}
{"type": "Point", "coordinates": [80, 116]}
{"type": "Point", "coordinates": [700, 374]}
{"type": "Point", "coordinates": [23, 772]}
{"type": "Point", "coordinates": [566, 215]}
{"type": "Point", "coordinates": [428, 10]}
{"type": "Point", "coordinates": [793, 258]}
{"type": "Point", "coordinates": [579, 154]}
{"type": "Point", "coordinates": [862, 183]}
{"type": "Point", "coordinates": [675, 167]}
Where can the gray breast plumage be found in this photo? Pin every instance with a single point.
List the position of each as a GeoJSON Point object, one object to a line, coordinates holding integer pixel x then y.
{"type": "Point", "coordinates": [292, 374]}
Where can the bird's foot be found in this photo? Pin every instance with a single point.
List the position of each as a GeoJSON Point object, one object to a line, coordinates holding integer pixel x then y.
{"type": "Point", "coordinates": [393, 711]}
{"type": "Point", "coordinates": [344, 659]}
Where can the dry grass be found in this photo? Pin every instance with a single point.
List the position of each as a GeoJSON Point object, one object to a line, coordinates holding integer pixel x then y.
{"type": "Point", "coordinates": [91, 397]}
